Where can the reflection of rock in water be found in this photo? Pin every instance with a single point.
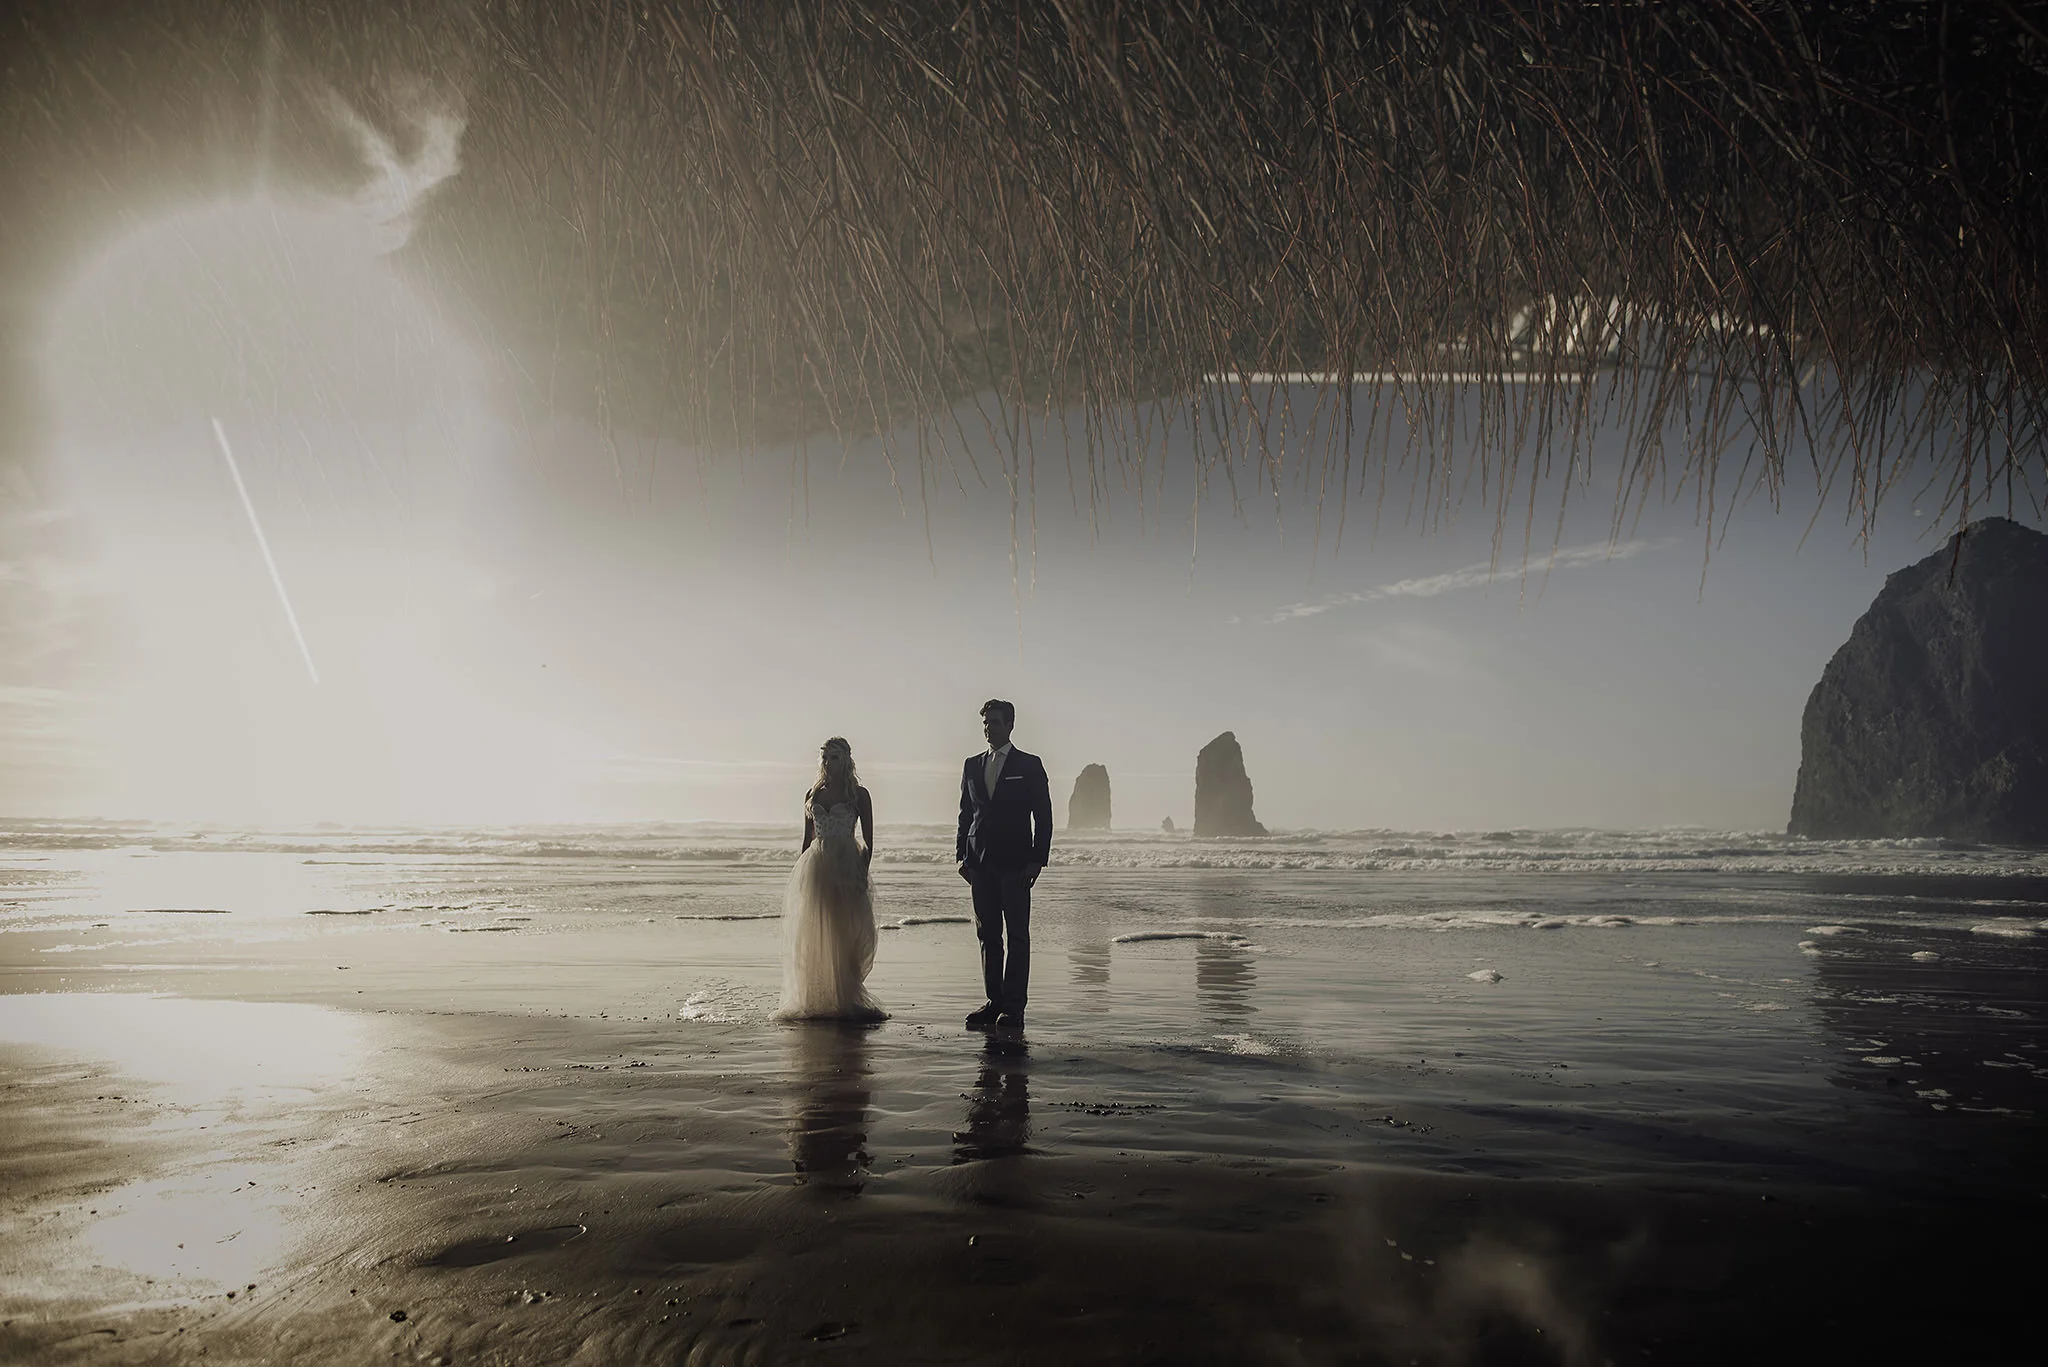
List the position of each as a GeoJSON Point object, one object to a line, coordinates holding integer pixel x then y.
{"type": "Point", "coordinates": [828, 1134]}
{"type": "Point", "coordinates": [1223, 980]}
{"type": "Point", "coordinates": [1090, 961]}
{"type": "Point", "coordinates": [999, 1107]}
{"type": "Point", "coordinates": [1957, 1029]}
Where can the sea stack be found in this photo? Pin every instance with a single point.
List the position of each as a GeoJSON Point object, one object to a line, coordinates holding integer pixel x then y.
{"type": "Point", "coordinates": [1088, 808]}
{"type": "Point", "coordinates": [1223, 791]}
{"type": "Point", "coordinates": [1932, 720]}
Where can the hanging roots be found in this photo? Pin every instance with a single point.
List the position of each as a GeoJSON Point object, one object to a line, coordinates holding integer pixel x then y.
{"type": "Point", "coordinates": [1773, 231]}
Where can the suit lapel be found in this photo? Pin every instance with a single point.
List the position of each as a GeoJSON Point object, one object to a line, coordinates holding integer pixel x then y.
{"type": "Point", "coordinates": [977, 770]}
{"type": "Point", "coordinates": [1013, 766]}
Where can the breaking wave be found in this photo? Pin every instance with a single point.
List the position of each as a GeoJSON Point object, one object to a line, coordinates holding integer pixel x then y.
{"type": "Point", "coordinates": [1372, 851]}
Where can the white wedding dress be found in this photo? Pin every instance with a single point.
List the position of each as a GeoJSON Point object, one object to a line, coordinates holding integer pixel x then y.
{"type": "Point", "coordinates": [828, 924]}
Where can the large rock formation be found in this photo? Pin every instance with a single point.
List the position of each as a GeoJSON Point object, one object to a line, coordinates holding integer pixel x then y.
{"type": "Point", "coordinates": [1223, 791]}
{"type": "Point", "coordinates": [1088, 808]}
{"type": "Point", "coordinates": [1933, 719]}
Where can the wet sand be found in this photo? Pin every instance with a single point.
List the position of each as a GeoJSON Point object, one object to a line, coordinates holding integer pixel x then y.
{"type": "Point", "coordinates": [326, 1144]}
{"type": "Point", "coordinates": [553, 1192]}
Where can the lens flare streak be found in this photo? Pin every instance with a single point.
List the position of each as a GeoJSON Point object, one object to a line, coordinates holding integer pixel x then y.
{"type": "Point", "coordinates": [263, 543]}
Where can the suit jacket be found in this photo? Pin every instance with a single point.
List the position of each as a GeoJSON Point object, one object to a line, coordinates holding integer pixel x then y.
{"type": "Point", "coordinates": [1010, 828]}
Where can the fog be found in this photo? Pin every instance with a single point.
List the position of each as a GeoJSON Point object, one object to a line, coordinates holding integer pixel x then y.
{"type": "Point", "coordinates": [536, 619]}
{"type": "Point", "coordinates": [303, 542]}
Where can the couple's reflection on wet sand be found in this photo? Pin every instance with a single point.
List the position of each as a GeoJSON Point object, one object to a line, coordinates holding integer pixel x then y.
{"type": "Point", "coordinates": [828, 1134]}
{"type": "Point", "coordinates": [999, 1106]}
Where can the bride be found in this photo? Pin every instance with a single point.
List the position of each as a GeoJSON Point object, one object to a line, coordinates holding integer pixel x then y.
{"type": "Point", "coordinates": [828, 916]}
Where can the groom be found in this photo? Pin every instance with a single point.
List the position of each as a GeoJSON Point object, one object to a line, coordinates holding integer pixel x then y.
{"type": "Point", "coordinates": [1005, 841]}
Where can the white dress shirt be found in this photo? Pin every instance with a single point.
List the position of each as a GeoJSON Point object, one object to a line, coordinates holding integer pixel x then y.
{"type": "Point", "coordinates": [992, 767]}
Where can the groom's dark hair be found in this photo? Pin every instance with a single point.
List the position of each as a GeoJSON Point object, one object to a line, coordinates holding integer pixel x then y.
{"type": "Point", "coordinates": [998, 705]}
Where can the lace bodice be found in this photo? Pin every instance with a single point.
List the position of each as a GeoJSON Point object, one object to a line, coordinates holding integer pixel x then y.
{"type": "Point", "coordinates": [836, 820]}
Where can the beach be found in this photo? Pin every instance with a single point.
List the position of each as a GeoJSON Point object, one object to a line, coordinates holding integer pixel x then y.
{"type": "Point", "coordinates": [516, 1096]}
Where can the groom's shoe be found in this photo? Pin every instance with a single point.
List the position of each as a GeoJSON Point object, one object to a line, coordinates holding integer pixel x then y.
{"type": "Point", "coordinates": [985, 1017]}
{"type": "Point", "coordinates": [1010, 1020]}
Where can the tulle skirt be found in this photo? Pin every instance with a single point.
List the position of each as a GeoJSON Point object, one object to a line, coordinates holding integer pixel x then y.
{"type": "Point", "coordinates": [828, 934]}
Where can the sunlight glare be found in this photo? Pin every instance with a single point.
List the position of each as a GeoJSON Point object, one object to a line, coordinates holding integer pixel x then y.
{"type": "Point", "coordinates": [205, 1062]}
{"type": "Point", "coordinates": [358, 415]}
{"type": "Point", "coordinates": [203, 1055]}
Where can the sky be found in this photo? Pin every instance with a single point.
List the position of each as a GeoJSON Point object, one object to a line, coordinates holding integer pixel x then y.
{"type": "Point", "coordinates": [294, 548]}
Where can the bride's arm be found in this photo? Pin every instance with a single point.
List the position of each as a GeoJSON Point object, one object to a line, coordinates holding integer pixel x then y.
{"type": "Point", "coordinates": [810, 828]}
{"type": "Point", "coordinates": [867, 824]}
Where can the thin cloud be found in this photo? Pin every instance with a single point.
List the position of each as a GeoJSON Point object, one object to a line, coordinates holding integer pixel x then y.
{"type": "Point", "coordinates": [1470, 577]}
{"type": "Point", "coordinates": [32, 698]}
{"type": "Point", "coordinates": [36, 726]}
{"type": "Point", "coordinates": [653, 766]}
{"type": "Point", "coordinates": [399, 183]}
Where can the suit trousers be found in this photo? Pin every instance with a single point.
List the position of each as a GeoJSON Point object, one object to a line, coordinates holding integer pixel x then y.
{"type": "Point", "coordinates": [1002, 907]}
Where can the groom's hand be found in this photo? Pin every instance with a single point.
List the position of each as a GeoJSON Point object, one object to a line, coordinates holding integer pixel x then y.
{"type": "Point", "coordinates": [1031, 879]}
{"type": "Point", "coordinates": [964, 873]}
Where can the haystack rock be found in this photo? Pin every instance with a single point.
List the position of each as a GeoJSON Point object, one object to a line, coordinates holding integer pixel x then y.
{"type": "Point", "coordinates": [1223, 791]}
{"type": "Point", "coordinates": [1088, 808]}
{"type": "Point", "coordinates": [1166, 824]}
{"type": "Point", "coordinates": [1933, 719]}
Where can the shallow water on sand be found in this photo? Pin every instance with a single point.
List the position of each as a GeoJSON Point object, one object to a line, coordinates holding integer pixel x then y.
{"type": "Point", "coordinates": [1681, 1012]}
{"type": "Point", "coordinates": [1691, 998]}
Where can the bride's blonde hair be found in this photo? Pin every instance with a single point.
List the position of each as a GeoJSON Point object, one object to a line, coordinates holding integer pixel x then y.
{"type": "Point", "coordinates": [836, 773]}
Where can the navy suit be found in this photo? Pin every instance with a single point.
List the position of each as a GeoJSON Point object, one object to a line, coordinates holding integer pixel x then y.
{"type": "Point", "coordinates": [1005, 836]}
